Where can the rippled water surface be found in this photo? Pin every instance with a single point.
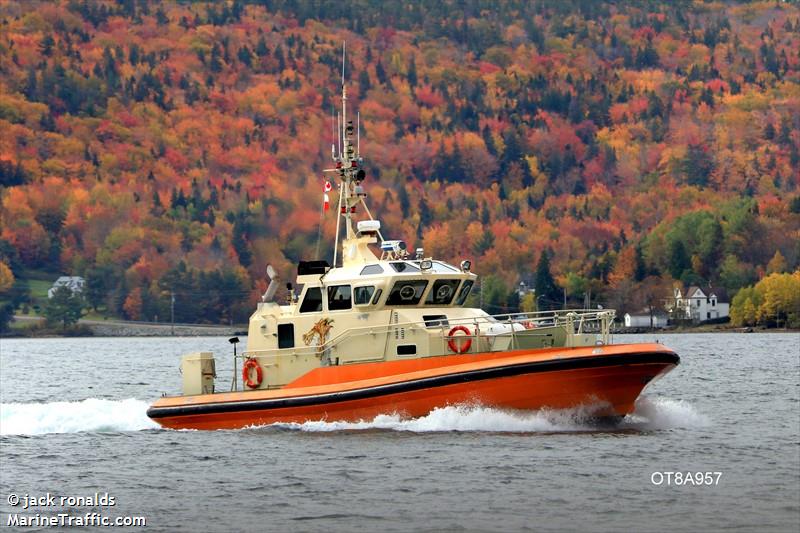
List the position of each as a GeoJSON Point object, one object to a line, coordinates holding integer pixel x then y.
{"type": "Point", "coordinates": [73, 423]}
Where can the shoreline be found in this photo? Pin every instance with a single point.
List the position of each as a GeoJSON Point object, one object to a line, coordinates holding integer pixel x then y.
{"type": "Point", "coordinates": [119, 328]}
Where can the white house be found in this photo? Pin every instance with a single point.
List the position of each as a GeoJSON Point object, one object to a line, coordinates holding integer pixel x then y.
{"type": "Point", "coordinates": [698, 305]}
{"type": "Point", "coordinates": [73, 283]}
{"type": "Point", "coordinates": [642, 319]}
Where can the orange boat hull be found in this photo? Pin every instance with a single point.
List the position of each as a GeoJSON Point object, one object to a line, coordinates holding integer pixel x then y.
{"type": "Point", "coordinates": [610, 378]}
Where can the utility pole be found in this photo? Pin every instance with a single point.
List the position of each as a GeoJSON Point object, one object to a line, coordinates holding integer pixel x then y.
{"type": "Point", "coordinates": [172, 310]}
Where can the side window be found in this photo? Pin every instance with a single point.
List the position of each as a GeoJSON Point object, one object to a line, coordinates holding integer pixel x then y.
{"type": "Point", "coordinates": [435, 321]}
{"type": "Point", "coordinates": [312, 303]}
{"type": "Point", "coordinates": [362, 295]}
{"type": "Point", "coordinates": [462, 295]}
{"type": "Point", "coordinates": [442, 292]}
{"type": "Point", "coordinates": [406, 349]}
{"type": "Point", "coordinates": [339, 298]}
{"type": "Point", "coordinates": [285, 335]}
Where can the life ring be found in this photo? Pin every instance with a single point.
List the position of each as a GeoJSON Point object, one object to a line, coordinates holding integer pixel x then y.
{"type": "Point", "coordinates": [527, 324]}
{"type": "Point", "coordinates": [465, 346]}
{"type": "Point", "coordinates": [249, 365]}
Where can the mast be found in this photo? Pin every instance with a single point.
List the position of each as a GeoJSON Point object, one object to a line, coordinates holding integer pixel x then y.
{"type": "Point", "coordinates": [348, 167]}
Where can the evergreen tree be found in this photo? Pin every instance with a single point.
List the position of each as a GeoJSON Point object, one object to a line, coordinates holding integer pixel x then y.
{"type": "Point", "coordinates": [245, 56]}
{"type": "Point", "coordinates": [697, 165]}
{"type": "Point", "coordinates": [364, 83]}
{"type": "Point", "coordinates": [65, 307]}
{"type": "Point", "coordinates": [412, 73]}
{"type": "Point", "coordinates": [678, 259]}
{"type": "Point", "coordinates": [239, 241]}
{"type": "Point", "coordinates": [405, 204]}
{"type": "Point", "coordinates": [380, 73]}
{"type": "Point", "coordinates": [548, 294]}
{"type": "Point", "coordinates": [261, 47]}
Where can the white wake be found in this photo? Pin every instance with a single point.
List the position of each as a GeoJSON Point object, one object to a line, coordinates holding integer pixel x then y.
{"type": "Point", "coordinates": [72, 417]}
{"type": "Point", "coordinates": [94, 415]}
{"type": "Point", "coordinates": [664, 413]}
{"type": "Point", "coordinates": [655, 414]}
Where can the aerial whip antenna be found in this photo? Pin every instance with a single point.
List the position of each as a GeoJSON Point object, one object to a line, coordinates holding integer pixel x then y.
{"type": "Point", "coordinates": [339, 131]}
{"type": "Point", "coordinates": [333, 134]}
{"type": "Point", "coordinates": [347, 167]}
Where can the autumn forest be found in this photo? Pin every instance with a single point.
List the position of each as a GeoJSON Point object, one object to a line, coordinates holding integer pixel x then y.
{"type": "Point", "coordinates": [598, 151]}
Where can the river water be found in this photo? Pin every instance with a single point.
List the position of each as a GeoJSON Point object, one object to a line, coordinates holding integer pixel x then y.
{"type": "Point", "coordinates": [73, 424]}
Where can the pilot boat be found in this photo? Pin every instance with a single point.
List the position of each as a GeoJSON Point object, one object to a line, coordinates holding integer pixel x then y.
{"type": "Point", "coordinates": [388, 331]}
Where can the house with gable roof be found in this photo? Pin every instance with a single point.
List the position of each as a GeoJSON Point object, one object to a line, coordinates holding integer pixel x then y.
{"type": "Point", "coordinates": [74, 283]}
{"type": "Point", "coordinates": [698, 304]}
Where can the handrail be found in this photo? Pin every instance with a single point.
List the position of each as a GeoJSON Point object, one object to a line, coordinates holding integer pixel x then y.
{"type": "Point", "coordinates": [561, 318]}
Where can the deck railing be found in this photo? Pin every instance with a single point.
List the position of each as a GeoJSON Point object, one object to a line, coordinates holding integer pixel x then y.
{"type": "Point", "coordinates": [485, 332]}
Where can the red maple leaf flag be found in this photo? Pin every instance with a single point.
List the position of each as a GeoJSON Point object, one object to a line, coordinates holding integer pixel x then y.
{"type": "Point", "coordinates": [327, 189]}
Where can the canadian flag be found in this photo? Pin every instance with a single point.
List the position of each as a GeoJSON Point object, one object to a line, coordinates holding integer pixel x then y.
{"type": "Point", "coordinates": [327, 200]}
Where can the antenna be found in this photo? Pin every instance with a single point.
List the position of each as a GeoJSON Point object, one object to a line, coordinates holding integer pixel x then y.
{"type": "Point", "coordinates": [347, 168]}
{"type": "Point", "coordinates": [333, 134]}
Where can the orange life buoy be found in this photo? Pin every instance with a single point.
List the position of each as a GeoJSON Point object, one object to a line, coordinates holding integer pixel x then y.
{"type": "Point", "coordinates": [248, 366]}
{"type": "Point", "coordinates": [464, 346]}
{"type": "Point", "coordinates": [527, 324]}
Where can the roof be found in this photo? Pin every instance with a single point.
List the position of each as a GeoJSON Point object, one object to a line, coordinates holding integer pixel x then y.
{"type": "Point", "coordinates": [707, 292]}
{"type": "Point", "coordinates": [693, 289]}
{"type": "Point", "coordinates": [69, 280]}
{"type": "Point", "coordinates": [720, 293]}
{"type": "Point", "coordinates": [646, 313]}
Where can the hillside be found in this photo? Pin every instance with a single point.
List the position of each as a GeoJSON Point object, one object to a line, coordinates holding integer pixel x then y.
{"type": "Point", "coordinates": [177, 148]}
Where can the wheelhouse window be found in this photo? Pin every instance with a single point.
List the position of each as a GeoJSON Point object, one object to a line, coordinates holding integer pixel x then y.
{"type": "Point", "coordinates": [439, 267]}
{"type": "Point", "coordinates": [371, 269]}
{"type": "Point", "coordinates": [339, 297]}
{"type": "Point", "coordinates": [377, 296]}
{"type": "Point", "coordinates": [442, 292]}
{"type": "Point", "coordinates": [407, 268]}
{"type": "Point", "coordinates": [407, 292]}
{"type": "Point", "coordinates": [362, 295]}
{"type": "Point", "coordinates": [464, 292]}
{"type": "Point", "coordinates": [312, 302]}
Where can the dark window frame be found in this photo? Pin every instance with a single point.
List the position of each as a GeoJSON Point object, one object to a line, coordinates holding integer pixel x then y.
{"type": "Point", "coordinates": [339, 304]}
{"type": "Point", "coordinates": [377, 297]}
{"type": "Point", "coordinates": [433, 298]}
{"type": "Point", "coordinates": [418, 286]}
{"type": "Point", "coordinates": [464, 291]}
{"type": "Point", "coordinates": [306, 299]}
{"type": "Point", "coordinates": [370, 288]}
{"type": "Point", "coordinates": [285, 336]}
